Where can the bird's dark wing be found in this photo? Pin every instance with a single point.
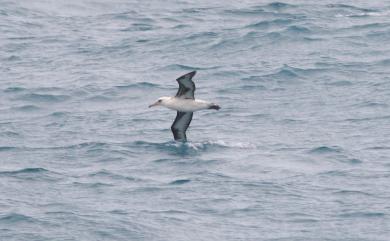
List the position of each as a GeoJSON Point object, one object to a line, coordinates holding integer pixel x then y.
{"type": "Point", "coordinates": [180, 125]}
{"type": "Point", "coordinates": [186, 86]}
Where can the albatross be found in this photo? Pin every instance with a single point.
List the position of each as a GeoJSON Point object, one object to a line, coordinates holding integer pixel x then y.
{"type": "Point", "coordinates": [185, 104]}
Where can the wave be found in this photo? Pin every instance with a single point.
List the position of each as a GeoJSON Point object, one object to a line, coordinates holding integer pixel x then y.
{"type": "Point", "coordinates": [126, 15]}
{"type": "Point", "coordinates": [140, 27]}
{"type": "Point", "coordinates": [93, 185]}
{"type": "Point", "coordinates": [378, 148]}
{"type": "Point", "coordinates": [379, 35]}
{"type": "Point", "coordinates": [86, 145]}
{"type": "Point", "coordinates": [60, 114]}
{"type": "Point", "coordinates": [340, 83]}
{"type": "Point", "coordinates": [252, 87]}
{"type": "Point", "coordinates": [9, 134]}
{"type": "Point", "coordinates": [33, 174]}
{"type": "Point", "coordinates": [197, 9]}
{"type": "Point", "coordinates": [335, 173]}
{"type": "Point", "coordinates": [90, 146]}
{"type": "Point", "coordinates": [14, 89]}
{"type": "Point", "coordinates": [294, 32]}
{"type": "Point", "coordinates": [181, 26]}
{"type": "Point", "coordinates": [372, 104]}
{"type": "Point", "coordinates": [369, 26]}
{"type": "Point", "coordinates": [138, 85]}
{"type": "Point", "coordinates": [187, 67]}
{"type": "Point", "coordinates": [268, 9]}
{"type": "Point", "coordinates": [180, 182]}
{"type": "Point", "coordinates": [364, 119]}
{"type": "Point", "coordinates": [44, 97]}
{"type": "Point", "coordinates": [196, 36]}
{"type": "Point", "coordinates": [351, 193]}
{"type": "Point", "coordinates": [270, 23]}
{"type": "Point", "coordinates": [361, 214]}
{"type": "Point", "coordinates": [99, 98]}
{"type": "Point", "coordinates": [350, 7]}
{"type": "Point", "coordinates": [279, 5]}
{"type": "Point", "coordinates": [354, 161]}
{"type": "Point", "coordinates": [108, 174]}
{"type": "Point", "coordinates": [284, 73]}
{"type": "Point", "coordinates": [194, 147]}
{"type": "Point", "coordinates": [27, 108]}
{"type": "Point", "coordinates": [383, 62]}
{"type": "Point", "coordinates": [325, 150]}
{"type": "Point", "coordinates": [16, 218]}
{"type": "Point", "coordinates": [295, 29]}
{"type": "Point", "coordinates": [7, 148]}
{"type": "Point", "coordinates": [24, 171]}
{"type": "Point", "coordinates": [244, 12]}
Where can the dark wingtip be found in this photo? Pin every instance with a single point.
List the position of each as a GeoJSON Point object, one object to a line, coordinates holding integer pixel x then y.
{"type": "Point", "coordinates": [190, 75]}
{"type": "Point", "coordinates": [215, 107]}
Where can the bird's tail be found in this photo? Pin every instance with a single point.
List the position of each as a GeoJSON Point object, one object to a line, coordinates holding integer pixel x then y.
{"type": "Point", "coordinates": [214, 107]}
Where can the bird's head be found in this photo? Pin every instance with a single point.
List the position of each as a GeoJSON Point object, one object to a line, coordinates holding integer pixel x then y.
{"type": "Point", "coordinates": [161, 101]}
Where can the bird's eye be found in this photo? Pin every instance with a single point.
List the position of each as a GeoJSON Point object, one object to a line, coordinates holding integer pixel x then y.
{"type": "Point", "coordinates": [159, 100]}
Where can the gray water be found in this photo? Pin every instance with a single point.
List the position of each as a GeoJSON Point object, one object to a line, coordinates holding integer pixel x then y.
{"type": "Point", "coordinates": [299, 151]}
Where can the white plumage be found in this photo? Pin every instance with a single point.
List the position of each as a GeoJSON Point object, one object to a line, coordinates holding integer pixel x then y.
{"type": "Point", "coordinates": [184, 105]}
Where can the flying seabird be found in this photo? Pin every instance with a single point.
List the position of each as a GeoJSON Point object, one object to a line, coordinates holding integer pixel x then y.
{"type": "Point", "coordinates": [185, 105]}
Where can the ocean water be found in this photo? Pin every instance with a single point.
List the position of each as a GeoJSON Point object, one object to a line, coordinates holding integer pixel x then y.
{"type": "Point", "coordinates": [299, 151]}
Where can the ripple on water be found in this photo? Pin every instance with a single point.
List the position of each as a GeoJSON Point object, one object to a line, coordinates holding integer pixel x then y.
{"type": "Point", "coordinates": [194, 147]}
{"type": "Point", "coordinates": [298, 30]}
{"type": "Point", "coordinates": [340, 83]}
{"type": "Point", "coordinates": [143, 85]}
{"type": "Point", "coordinates": [112, 175]}
{"type": "Point", "coordinates": [351, 193]}
{"type": "Point", "coordinates": [349, 7]}
{"type": "Point", "coordinates": [325, 150]}
{"type": "Point", "coordinates": [206, 35]}
{"type": "Point", "coordinates": [27, 108]}
{"type": "Point", "coordinates": [60, 114]}
{"type": "Point", "coordinates": [268, 9]}
{"type": "Point", "coordinates": [87, 145]}
{"type": "Point", "coordinates": [279, 5]}
{"type": "Point", "coordinates": [180, 182]}
{"type": "Point", "coordinates": [93, 185]}
{"type": "Point", "coordinates": [24, 171]}
{"type": "Point", "coordinates": [9, 134]}
{"type": "Point", "coordinates": [187, 67]}
{"type": "Point", "coordinates": [372, 104]}
{"type": "Point", "coordinates": [32, 174]}
{"type": "Point", "coordinates": [12, 218]}
{"type": "Point", "coordinates": [362, 215]}
{"type": "Point", "coordinates": [7, 148]}
{"type": "Point", "coordinates": [99, 98]}
{"type": "Point", "coordinates": [140, 27]}
{"type": "Point", "coordinates": [265, 24]}
{"type": "Point", "coordinates": [49, 98]}
{"type": "Point", "coordinates": [352, 161]}
{"type": "Point", "coordinates": [335, 173]}
{"type": "Point", "coordinates": [14, 89]}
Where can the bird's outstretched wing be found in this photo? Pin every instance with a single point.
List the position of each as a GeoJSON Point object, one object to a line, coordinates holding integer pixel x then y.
{"type": "Point", "coordinates": [186, 86]}
{"type": "Point", "coordinates": [180, 125]}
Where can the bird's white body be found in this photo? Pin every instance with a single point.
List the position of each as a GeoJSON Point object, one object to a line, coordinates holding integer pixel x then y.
{"type": "Point", "coordinates": [185, 105]}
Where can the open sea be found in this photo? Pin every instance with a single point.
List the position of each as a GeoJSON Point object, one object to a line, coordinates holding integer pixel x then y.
{"type": "Point", "coordinates": [300, 150]}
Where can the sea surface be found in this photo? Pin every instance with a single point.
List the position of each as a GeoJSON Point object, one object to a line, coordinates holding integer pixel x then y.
{"type": "Point", "coordinates": [299, 151]}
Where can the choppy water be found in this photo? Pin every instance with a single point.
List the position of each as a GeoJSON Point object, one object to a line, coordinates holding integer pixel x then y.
{"type": "Point", "coordinates": [299, 151]}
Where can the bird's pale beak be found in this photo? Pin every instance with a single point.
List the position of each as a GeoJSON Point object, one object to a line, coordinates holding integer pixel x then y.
{"type": "Point", "coordinates": [154, 104]}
